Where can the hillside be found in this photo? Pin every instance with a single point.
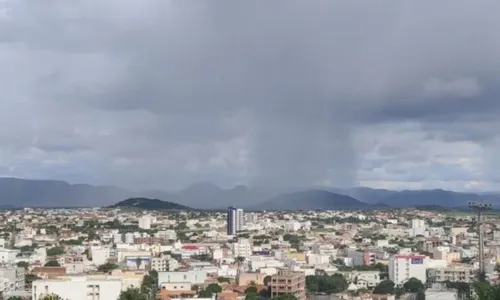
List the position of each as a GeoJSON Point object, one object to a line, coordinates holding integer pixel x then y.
{"type": "Point", "coordinates": [313, 200]}
{"type": "Point", "coordinates": [18, 193]}
{"type": "Point", "coordinates": [149, 204]}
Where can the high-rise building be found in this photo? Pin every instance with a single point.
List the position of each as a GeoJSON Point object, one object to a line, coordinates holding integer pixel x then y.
{"type": "Point", "coordinates": [145, 222]}
{"type": "Point", "coordinates": [234, 220]}
{"type": "Point", "coordinates": [404, 267]}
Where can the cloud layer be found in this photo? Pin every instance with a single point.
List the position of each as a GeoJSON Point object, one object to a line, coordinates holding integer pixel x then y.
{"type": "Point", "coordinates": [161, 94]}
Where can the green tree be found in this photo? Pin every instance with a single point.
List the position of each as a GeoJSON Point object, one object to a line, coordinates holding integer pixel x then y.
{"type": "Point", "coordinates": [385, 287]}
{"type": "Point", "coordinates": [284, 297]}
{"type": "Point", "coordinates": [107, 267]}
{"type": "Point", "coordinates": [267, 280]}
{"type": "Point", "coordinates": [132, 294]}
{"type": "Point", "coordinates": [326, 284]}
{"type": "Point", "coordinates": [138, 262]}
{"type": "Point", "coordinates": [252, 296]}
{"type": "Point", "coordinates": [55, 251]}
{"type": "Point", "coordinates": [413, 285]}
{"type": "Point", "coordinates": [420, 295]}
{"type": "Point", "coordinates": [212, 288]}
{"type": "Point", "coordinates": [15, 298]}
{"type": "Point", "coordinates": [23, 264]}
{"type": "Point", "coordinates": [51, 297]}
{"type": "Point", "coordinates": [52, 263]}
{"type": "Point", "coordinates": [223, 279]}
{"type": "Point", "coordinates": [251, 289]}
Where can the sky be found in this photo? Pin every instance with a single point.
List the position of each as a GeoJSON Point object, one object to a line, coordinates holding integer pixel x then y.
{"type": "Point", "coordinates": [161, 94]}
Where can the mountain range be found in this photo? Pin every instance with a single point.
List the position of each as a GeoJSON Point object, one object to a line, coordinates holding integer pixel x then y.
{"type": "Point", "coordinates": [17, 193]}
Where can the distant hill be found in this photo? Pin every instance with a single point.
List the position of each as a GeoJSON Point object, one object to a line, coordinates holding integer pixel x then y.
{"type": "Point", "coordinates": [149, 204]}
{"type": "Point", "coordinates": [313, 200]}
{"type": "Point", "coordinates": [434, 197]}
{"type": "Point", "coordinates": [20, 193]}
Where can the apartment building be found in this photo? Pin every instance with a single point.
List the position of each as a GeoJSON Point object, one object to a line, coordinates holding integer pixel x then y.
{"type": "Point", "coordinates": [16, 277]}
{"type": "Point", "coordinates": [457, 273]}
{"type": "Point", "coordinates": [288, 282]}
{"type": "Point", "coordinates": [164, 263]}
{"type": "Point", "coordinates": [242, 248]}
{"type": "Point", "coordinates": [78, 288]}
{"type": "Point", "coordinates": [404, 267]}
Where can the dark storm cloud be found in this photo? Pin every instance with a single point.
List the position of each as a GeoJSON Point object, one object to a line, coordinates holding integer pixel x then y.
{"type": "Point", "coordinates": [270, 92]}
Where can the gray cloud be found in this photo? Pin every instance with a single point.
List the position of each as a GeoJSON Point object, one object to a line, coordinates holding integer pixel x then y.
{"type": "Point", "coordinates": [160, 94]}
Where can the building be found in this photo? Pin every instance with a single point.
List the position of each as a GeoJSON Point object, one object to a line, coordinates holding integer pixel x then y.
{"type": "Point", "coordinates": [404, 267]}
{"type": "Point", "coordinates": [164, 263]}
{"type": "Point", "coordinates": [234, 220]}
{"type": "Point", "coordinates": [15, 276]}
{"type": "Point", "coordinates": [73, 264]}
{"type": "Point", "coordinates": [457, 273]}
{"type": "Point", "coordinates": [361, 258]}
{"type": "Point", "coordinates": [288, 282]}
{"type": "Point", "coordinates": [145, 222]}
{"type": "Point", "coordinates": [78, 288]}
{"type": "Point", "coordinates": [242, 248]}
{"type": "Point", "coordinates": [8, 256]}
{"type": "Point", "coordinates": [416, 223]}
{"type": "Point", "coordinates": [99, 255]}
{"type": "Point", "coordinates": [193, 277]}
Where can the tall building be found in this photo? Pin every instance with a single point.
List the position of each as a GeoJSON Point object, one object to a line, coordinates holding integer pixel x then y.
{"type": "Point", "coordinates": [404, 267]}
{"type": "Point", "coordinates": [234, 220]}
{"type": "Point", "coordinates": [145, 222]}
{"type": "Point", "coordinates": [289, 282]}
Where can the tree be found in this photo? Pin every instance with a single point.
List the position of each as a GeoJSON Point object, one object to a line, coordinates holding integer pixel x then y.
{"type": "Point", "coordinates": [51, 297]}
{"type": "Point", "coordinates": [463, 288]}
{"type": "Point", "coordinates": [132, 294]}
{"type": "Point", "coordinates": [252, 296]}
{"type": "Point", "coordinates": [267, 280]}
{"type": "Point", "coordinates": [223, 279]}
{"type": "Point", "coordinates": [107, 267]}
{"type": "Point", "coordinates": [385, 287]}
{"type": "Point", "coordinates": [285, 297]}
{"type": "Point", "coordinates": [212, 288]}
{"type": "Point", "coordinates": [251, 289]}
{"type": "Point", "coordinates": [326, 284]}
{"type": "Point", "coordinates": [52, 263]}
{"type": "Point", "coordinates": [138, 262]}
{"type": "Point", "coordinates": [23, 264]}
{"type": "Point", "coordinates": [420, 295]}
{"type": "Point", "coordinates": [55, 251]}
{"type": "Point", "coordinates": [413, 285]}
{"type": "Point", "coordinates": [15, 298]}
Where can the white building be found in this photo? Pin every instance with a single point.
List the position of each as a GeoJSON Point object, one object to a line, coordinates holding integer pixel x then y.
{"type": "Point", "coordinates": [416, 223]}
{"type": "Point", "coordinates": [118, 238]}
{"type": "Point", "coordinates": [404, 267]}
{"type": "Point", "coordinates": [8, 256]}
{"type": "Point", "coordinates": [193, 277]}
{"type": "Point", "coordinates": [78, 288]}
{"type": "Point", "coordinates": [242, 248]}
{"type": "Point", "coordinates": [164, 263]}
{"type": "Point", "coordinates": [292, 226]}
{"type": "Point", "coordinates": [145, 222]}
{"type": "Point", "coordinates": [99, 255]}
{"type": "Point", "coordinates": [129, 238]}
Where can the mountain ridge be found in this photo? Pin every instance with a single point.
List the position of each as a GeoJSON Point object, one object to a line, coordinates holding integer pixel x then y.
{"type": "Point", "coordinates": [19, 193]}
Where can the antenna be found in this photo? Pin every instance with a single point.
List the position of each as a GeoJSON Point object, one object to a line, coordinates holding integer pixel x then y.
{"type": "Point", "coordinates": [480, 208]}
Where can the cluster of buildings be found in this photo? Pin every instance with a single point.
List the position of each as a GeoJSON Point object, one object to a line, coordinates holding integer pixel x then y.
{"type": "Point", "coordinates": [99, 253]}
